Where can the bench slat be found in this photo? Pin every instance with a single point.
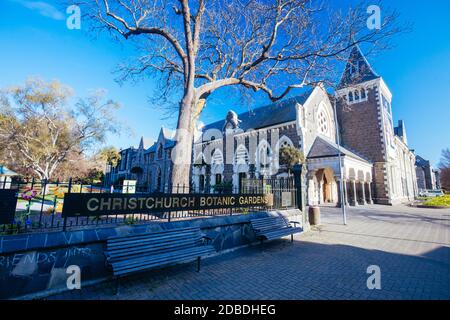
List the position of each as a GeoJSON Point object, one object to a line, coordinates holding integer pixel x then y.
{"type": "Point", "coordinates": [273, 227]}
{"type": "Point", "coordinates": [154, 238]}
{"type": "Point", "coordinates": [153, 241]}
{"type": "Point", "coordinates": [139, 252]}
{"type": "Point", "coordinates": [115, 255]}
{"type": "Point", "coordinates": [159, 257]}
{"type": "Point", "coordinates": [159, 264]}
{"type": "Point", "coordinates": [151, 261]}
{"type": "Point", "coordinates": [152, 234]}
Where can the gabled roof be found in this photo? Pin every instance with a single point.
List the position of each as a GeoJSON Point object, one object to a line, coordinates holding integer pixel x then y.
{"type": "Point", "coordinates": [4, 171]}
{"type": "Point", "coordinates": [323, 148]}
{"type": "Point", "coordinates": [165, 135]}
{"type": "Point", "coordinates": [362, 71]}
{"type": "Point", "coordinates": [269, 115]}
{"type": "Point", "coordinates": [144, 143]}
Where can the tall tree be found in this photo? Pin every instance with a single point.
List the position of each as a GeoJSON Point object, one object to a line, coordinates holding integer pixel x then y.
{"type": "Point", "coordinates": [444, 167]}
{"type": "Point", "coordinates": [290, 156]}
{"type": "Point", "coordinates": [40, 130]}
{"type": "Point", "coordinates": [109, 155]}
{"type": "Point", "coordinates": [200, 46]}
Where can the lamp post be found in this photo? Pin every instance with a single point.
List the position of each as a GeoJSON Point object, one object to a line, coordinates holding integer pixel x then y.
{"type": "Point", "coordinates": [341, 173]}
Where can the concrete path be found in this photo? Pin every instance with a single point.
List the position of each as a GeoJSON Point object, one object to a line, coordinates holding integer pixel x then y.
{"type": "Point", "coordinates": [410, 246]}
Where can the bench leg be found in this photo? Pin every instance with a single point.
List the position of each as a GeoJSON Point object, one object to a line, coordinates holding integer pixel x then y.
{"type": "Point", "coordinates": [198, 264]}
{"type": "Point", "coordinates": [292, 237]}
{"type": "Point", "coordinates": [117, 286]}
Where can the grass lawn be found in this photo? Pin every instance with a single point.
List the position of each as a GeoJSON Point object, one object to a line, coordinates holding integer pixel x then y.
{"type": "Point", "coordinates": [443, 201]}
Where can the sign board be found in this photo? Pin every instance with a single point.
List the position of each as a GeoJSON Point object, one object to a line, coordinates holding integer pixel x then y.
{"type": "Point", "coordinates": [286, 199]}
{"type": "Point", "coordinates": [8, 201]}
{"type": "Point", "coordinates": [129, 186]}
{"type": "Point", "coordinates": [92, 204]}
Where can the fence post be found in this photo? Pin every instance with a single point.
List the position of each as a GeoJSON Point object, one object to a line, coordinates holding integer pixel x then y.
{"type": "Point", "coordinates": [69, 188]}
{"type": "Point", "coordinates": [298, 170]}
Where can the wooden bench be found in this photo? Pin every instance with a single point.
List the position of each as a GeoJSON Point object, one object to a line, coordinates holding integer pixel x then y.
{"type": "Point", "coordinates": [140, 252]}
{"type": "Point", "coordinates": [273, 228]}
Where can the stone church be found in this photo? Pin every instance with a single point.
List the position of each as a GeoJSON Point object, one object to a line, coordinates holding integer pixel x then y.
{"type": "Point", "coordinates": [149, 164]}
{"type": "Point", "coordinates": [376, 162]}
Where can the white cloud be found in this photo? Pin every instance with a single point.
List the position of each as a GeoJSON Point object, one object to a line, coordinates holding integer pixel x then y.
{"type": "Point", "coordinates": [43, 8]}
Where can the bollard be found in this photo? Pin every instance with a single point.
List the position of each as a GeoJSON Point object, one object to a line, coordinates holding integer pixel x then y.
{"type": "Point", "coordinates": [314, 215]}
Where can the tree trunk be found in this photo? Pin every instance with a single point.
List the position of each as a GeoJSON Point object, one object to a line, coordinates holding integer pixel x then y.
{"type": "Point", "coordinates": [182, 153]}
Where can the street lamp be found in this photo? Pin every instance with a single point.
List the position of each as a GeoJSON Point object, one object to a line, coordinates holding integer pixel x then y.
{"type": "Point", "coordinates": [341, 171]}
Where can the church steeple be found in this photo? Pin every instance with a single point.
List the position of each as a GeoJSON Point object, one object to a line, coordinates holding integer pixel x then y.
{"type": "Point", "coordinates": [357, 70]}
{"type": "Point", "coordinates": [141, 143]}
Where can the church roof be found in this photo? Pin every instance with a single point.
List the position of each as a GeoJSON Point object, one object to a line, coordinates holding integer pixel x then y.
{"type": "Point", "coordinates": [144, 143]}
{"type": "Point", "coordinates": [357, 70]}
{"type": "Point", "coordinates": [167, 137]}
{"type": "Point", "coordinates": [269, 115]}
{"type": "Point", "coordinates": [323, 148]}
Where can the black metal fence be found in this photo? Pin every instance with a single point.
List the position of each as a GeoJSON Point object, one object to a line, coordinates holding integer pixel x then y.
{"type": "Point", "coordinates": [40, 203]}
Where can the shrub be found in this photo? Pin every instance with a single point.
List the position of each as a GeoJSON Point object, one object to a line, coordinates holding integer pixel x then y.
{"type": "Point", "coordinates": [443, 201]}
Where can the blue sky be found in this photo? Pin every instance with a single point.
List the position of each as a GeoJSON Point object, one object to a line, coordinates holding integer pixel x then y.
{"type": "Point", "coordinates": [36, 42]}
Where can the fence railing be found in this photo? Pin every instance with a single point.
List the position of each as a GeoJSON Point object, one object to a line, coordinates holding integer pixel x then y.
{"type": "Point", "coordinates": [40, 203]}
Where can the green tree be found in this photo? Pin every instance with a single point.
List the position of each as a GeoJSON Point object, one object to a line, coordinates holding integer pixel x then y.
{"type": "Point", "coordinates": [109, 155]}
{"type": "Point", "coordinates": [39, 129]}
{"type": "Point", "coordinates": [290, 156]}
{"type": "Point", "coordinates": [93, 176]}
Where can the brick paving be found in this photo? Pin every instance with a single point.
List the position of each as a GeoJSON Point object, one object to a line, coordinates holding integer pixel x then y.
{"type": "Point", "coordinates": [410, 245]}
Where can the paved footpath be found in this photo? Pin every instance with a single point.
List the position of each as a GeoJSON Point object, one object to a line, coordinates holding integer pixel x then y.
{"type": "Point", "coordinates": [411, 246]}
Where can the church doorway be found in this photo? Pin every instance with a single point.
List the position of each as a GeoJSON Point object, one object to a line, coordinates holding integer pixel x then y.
{"type": "Point", "coordinates": [326, 190]}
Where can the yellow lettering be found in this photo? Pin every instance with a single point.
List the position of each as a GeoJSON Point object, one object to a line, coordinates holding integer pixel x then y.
{"type": "Point", "coordinates": [117, 204]}
{"type": "Point", "coordinates": [132, 203]}
{"type": "Point", "coordinates": [105, 203]}
{"type": "Point", "coordinates": [150, 203]}
{"type": "Point", "coordinates": [176, 202]}
{"type": "Point", "coordinates": [158, 203]}
{"type": "Point", "coordinates": [90, 207]}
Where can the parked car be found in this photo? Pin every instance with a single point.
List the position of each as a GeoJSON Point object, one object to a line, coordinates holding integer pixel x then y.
{"type": "Point", "coordinates": [431, 193]}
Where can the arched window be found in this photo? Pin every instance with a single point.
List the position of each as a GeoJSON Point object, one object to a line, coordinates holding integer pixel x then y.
{"type": "Point", "coordinates": [217, 157]}
{"type": "Point", "coordinates": [158, 180]}
{"type": "Point", "coordinates": [241, 155]}
{"type": "Point", "coordinates": [201, 182]}
{"type": "Point", "coordinates": [160, 151]}
{"type": "Point", "coordinates": [264, 155]}
{"type": "Point", "coordinates": [363, 94]}
{"type": "Point", "coordinates": [350, 96]}
{"type": "Point", "coordinates": [323, 124]}
{"type": "Point", "coordinates": [284, 142]}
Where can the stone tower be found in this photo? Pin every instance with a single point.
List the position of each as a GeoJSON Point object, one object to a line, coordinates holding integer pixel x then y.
{"type": "Point", "coordinates": [365, 118]}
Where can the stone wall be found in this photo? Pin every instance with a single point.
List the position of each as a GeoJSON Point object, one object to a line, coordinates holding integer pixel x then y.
{"type": "Point", "coordinates": [35, 264]}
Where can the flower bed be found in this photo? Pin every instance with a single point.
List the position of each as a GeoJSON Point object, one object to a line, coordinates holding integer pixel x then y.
{"type": "Point", "coordinates": [437, 202]}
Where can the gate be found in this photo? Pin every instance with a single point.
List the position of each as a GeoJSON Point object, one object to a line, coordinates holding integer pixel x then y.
{"type": "Point", "coordinates": [283, 190]}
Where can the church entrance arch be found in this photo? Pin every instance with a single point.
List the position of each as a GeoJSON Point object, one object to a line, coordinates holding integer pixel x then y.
{"type": "Point", "coordinates": [326, 186]}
